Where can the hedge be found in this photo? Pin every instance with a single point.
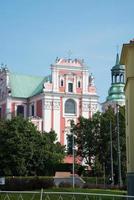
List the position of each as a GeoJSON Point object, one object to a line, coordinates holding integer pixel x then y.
{"type": "Point", "coordinates": [27, 183]}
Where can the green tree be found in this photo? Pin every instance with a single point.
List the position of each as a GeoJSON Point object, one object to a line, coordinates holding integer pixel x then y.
{"type": "Point", "coordinates": [85, 139]}
{"type": "Point", "coordinates": [104, 142]}
{"type": "Point", "coordinates": [26, 151]}
{"type": "Point", "coordinates": [93, 141]}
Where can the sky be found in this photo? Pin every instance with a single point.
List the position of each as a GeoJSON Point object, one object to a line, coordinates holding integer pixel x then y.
{"type": "Point", "coordinates": [34, 32]}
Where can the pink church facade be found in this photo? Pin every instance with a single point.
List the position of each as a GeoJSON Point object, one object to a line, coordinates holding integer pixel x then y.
{"type": "Point", "coordinates": [50, 102]}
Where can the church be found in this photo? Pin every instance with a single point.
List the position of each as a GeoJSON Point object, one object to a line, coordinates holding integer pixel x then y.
{"type": "Point", "coordinates": [52, 101]}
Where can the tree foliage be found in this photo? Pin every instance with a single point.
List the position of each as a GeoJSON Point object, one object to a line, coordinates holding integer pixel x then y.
{"type": "Point", "coordinates": [26, 151]}
{"type": "Point", "coordinates": [93, 141]}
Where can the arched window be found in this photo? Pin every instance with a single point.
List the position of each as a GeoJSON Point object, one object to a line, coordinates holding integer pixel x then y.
{"type": "Point", "coordinates": [78, 84]}
{"type": "Point", "coordinates": [61, 83]}
{"type": "Point", "coordinates": [70, 106]}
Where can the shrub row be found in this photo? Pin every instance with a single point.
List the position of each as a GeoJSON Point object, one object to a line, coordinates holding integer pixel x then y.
{"type": "Point", "coordinates": [27, 183]}
{"type": "Point", "coordinates": [36, 183]}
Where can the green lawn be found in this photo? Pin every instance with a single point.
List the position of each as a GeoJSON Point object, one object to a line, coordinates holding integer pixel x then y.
{"type": "Point", "coordinates": [65, 196]}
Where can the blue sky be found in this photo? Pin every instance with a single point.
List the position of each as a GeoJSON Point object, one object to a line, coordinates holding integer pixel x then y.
{"type": "Point", "coordinates": [34, 32]}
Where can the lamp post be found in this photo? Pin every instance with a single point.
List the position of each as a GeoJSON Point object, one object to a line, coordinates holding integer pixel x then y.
{"type": "Point", "coordinates": [111, 154]}
{"type": "Point", "coordinates": [118, 145]}
{"type": "Point", "coordinates": [73, 148]}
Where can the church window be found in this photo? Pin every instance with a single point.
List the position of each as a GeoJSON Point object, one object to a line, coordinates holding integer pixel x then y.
{"type": "Point", "coordinates": [20, 110]}
{"type": "Point", "coordinates": [70, 106]}
{"type": "Point", "coordinates": [61, 83]}
{"type": "Point", "coordinates": [78, 84]}
{"type": "Point", "coordinates": [32, 109]}
{"type": "Point", "coordinates": [70, 87]}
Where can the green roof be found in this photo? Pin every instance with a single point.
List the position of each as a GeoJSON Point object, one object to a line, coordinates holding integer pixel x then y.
{"type": "Point", "coordinates": [116, 91]}
{"type": "Point", "coordinates": [24, 86]}
{"type": "Point", "coordinates": [116, 97]}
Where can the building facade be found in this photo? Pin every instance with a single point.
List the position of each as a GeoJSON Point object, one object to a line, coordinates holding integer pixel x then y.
{"type": "Point", "coordinates": [127, 58]}
{"type": "Point", "coordinates": [116, 95]}
{"type": "Point", "coordinates": [50, 102]}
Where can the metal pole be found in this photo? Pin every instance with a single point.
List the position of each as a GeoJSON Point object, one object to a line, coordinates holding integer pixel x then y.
{"type": "Point", "coordinates": [41, 194]}
{"type": "Point", "coordinates": [111, 154]}
{"type": "Point", "coordinates": [73, 163]}
{"type": "Point", "coordinates": [119, 152]}
{"type": "Point", "coordinates": [104, 175]}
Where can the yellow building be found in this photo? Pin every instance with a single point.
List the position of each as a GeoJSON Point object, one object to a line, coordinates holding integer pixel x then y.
{"type": "Point", "coordinates": [127, 58]}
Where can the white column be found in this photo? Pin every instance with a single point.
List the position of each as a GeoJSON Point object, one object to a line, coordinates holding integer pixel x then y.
{"type": "Point", "coordinates": [66, 78]}
{"type": "Point", "coordinates": [74, 84]}
{"type": "Point", "coordinates": [85, 81]}
{"type": "Point", "coordinates": [55, 77]}
{"type": "Point", "coordinates": [43, 112]}
{"type": "Point", "coordinates": [56, 116]}
{"type": "Point", "coordinates": [47, 113]}
{"type": "Point", "coordinates": [8, 108]}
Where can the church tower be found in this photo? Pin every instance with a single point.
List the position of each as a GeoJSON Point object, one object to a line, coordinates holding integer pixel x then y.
{"type": "Point", "coordinates": [116, 91]}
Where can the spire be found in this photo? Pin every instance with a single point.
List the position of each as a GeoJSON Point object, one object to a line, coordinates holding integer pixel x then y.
{"type": "Point", "coordinates": [117, 59]}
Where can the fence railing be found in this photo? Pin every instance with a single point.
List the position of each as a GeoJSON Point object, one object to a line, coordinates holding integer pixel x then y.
{"type": "Point", "coordinates": [42, 195]}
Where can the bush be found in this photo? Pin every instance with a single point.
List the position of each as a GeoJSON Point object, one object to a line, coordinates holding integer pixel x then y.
{"type": "Point", "coordinates": [27, 183]}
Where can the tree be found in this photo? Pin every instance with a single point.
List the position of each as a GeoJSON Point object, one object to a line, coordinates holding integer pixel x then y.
{"type": "Point", "coordinates": [26, 151]}
{"type": "Point", "coordinates": [104, 142]}
{"type": "Point", "coordinates": [85, 139]}
{"type": "Point", "coordinates": [93, 141]}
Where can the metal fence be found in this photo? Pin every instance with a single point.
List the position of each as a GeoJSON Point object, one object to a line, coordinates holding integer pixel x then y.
{"type": "Point", "coordinates": [42, 195]}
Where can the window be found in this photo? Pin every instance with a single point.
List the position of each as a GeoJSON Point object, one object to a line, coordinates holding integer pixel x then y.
{"type": "Point", "coordinates": [78, 84]}
{"type": "Point", "coordinates": [70, 87]}
{"type": "Point", "coordinates": [70, 106]}
{"type": "Point", "coordinates": [20, 110]}
{"type": "Point", "coordinates": [32, 110]}
{"type": "Point", "coordinates": [61, 83]}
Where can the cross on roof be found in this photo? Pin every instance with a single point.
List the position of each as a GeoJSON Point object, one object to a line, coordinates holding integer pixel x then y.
{"type": "Point", "coordinates": [69, 53]}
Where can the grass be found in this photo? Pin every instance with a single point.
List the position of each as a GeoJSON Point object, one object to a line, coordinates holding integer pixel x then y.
{"type": "Point", "coordinates": [53, 196]}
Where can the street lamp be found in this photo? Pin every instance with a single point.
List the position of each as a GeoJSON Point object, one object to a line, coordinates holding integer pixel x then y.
{"type": "Point", "coordinates": [118, 144]}
{"type": "Point", "coordinates": [73, 148]}
{"type": "Point", "coordinates": [111, 154]}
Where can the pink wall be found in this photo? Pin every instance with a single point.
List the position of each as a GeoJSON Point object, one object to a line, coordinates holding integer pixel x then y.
{"type": "Point", "coordinates": [39, 108]}
{"type": "Point", "coordinates": [62, 72]}
{"type": "Point", "coordinates": [62, 89]}
{"type": "Point", "coordinates": [78, 90]}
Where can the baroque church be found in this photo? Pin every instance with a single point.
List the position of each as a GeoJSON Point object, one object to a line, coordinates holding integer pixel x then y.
{"type": "Point", "coordinates": [50, 102]}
